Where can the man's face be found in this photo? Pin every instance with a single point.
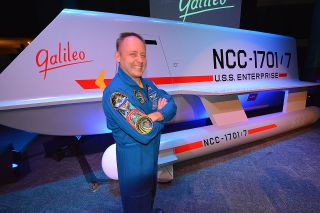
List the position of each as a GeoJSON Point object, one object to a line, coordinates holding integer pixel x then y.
{"type": "Point", "coordinates": [132, 56]}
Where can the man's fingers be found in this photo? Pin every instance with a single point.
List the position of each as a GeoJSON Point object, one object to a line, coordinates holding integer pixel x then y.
{"type": "Point", "coordinates": [162, 102]}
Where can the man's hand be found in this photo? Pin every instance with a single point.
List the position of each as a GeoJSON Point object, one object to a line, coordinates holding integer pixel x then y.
{"type": "Point", "coordinates": [155, 116]}
{"type": "Point", "coordinates": [161, 103]}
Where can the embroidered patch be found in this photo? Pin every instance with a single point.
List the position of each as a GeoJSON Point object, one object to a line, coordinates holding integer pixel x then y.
{"type": "Point", "coordinates": [120, 103]}
{"type": "Point", "coordinates": [139, 96]}
{"type": "Point", "coordinates": [153, 97]}
{"type": "Point", "coordinates": [144, 124]}
{"type": "Point", "coordinates": [149, 89]}
{"type": "Point", "coordinates": [137, 119]}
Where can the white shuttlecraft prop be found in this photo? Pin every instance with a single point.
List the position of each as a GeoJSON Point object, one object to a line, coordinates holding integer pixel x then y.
{"type": "Point", "coordinates": [196, 142]}
{"type": "Point", "coordinates": [54, 85]}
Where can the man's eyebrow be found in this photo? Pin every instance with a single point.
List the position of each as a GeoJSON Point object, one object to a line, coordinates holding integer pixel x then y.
{"type": "Point", "coordinates": [135, 51]}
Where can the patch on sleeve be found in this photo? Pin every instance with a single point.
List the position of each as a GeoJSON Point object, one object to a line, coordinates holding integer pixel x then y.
{"type": "Point", "coordinates": [138, 120]}
{"type": "Point", "coordinates": [153, 97]}
{"type": "Point", "coordinates": [139, 96]}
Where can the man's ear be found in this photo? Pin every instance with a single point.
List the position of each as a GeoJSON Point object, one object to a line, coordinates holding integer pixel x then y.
{"type": "Point", "coordinates": [117, 56]}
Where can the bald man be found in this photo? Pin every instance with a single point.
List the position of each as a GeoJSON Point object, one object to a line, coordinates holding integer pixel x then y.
{"type": "Point", "coordinates": [136, 111]}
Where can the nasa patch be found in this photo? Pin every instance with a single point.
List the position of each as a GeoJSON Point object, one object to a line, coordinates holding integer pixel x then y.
{"type": "Point", "coordinates": [139, 96]}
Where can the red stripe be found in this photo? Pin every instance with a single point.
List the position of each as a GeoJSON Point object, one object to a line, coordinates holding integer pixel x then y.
{"type": "Point", "coordinates": [89, 84]}
{"type": "Point", "coordinates": [181, 79]}
{"type": "Point", "coordinates": [162, 80]}
{"type": "Point", "coordinates": [262, 128]}
{"type": "Point", "coordinates": [283, 75]}
{"type": "Point", "coordinates": [190, 79]}
{"type": "Point", "coordinates": [188, 147]}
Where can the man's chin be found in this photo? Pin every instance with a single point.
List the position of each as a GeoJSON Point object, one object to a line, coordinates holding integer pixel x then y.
{"type": "Point", "coordinates": [138, 74]}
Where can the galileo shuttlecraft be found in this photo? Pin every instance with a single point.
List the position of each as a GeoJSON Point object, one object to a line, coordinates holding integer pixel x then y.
{"type": "Point", "coordinates": [53, 86]}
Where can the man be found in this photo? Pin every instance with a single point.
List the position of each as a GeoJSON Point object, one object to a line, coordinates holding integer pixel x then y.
{"type": "Point", "coordinates": [136, 111]}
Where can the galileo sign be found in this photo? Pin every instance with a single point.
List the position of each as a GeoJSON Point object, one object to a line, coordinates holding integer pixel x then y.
{"type": "Point", "coordinates": [214, 12]}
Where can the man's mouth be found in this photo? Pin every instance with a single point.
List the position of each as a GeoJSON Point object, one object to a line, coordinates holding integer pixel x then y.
{"type": "Point", "coordinates": [138, 67]}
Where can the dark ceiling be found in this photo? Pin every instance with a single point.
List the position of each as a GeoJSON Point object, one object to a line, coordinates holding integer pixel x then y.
{"type": "Point", "coordinates": [29, 18]}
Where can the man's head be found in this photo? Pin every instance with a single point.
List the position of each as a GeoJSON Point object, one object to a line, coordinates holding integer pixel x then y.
{"type": "Point", "coordinates": [131, 54]}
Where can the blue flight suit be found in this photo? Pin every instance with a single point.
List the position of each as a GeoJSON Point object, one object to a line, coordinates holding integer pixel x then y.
{"type": "Point", "coordinates": [137, 138]}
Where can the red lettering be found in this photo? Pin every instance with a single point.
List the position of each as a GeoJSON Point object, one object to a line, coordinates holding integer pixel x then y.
{"type": "Point", "coordinates": [64, 56]}
{"type": "Point", "coordinates": [59, 52]}
{"type": "Point", "coordinates": [45, 59]}
{"type": "Point", "coordinates": [82, 55]}
{"type": "Point", "coordinates": [53, 60]}
{"type": "Point", "coordinates": [75, 56]}
{"type": "Point", "coordinates": [69, 51]}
